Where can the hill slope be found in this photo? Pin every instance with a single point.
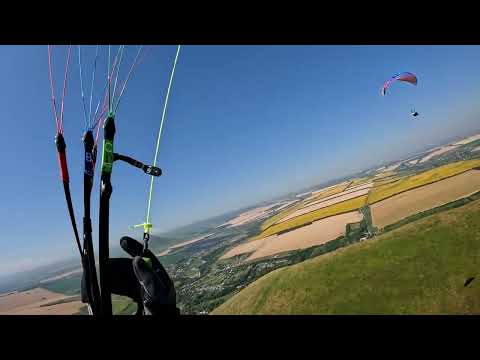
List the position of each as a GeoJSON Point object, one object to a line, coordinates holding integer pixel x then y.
{"type": "Point", "coordinates": [419, 268]}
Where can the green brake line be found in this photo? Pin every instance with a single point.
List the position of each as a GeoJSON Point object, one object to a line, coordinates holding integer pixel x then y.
{"type": "Point", "coordinates": [147, 225]}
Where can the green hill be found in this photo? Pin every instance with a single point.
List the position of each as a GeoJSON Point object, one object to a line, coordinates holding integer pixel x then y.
{"type": "Point", "coordinates": [419, 268]}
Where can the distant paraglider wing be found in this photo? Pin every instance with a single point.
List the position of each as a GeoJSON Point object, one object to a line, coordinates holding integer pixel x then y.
{"type": "Point", "coordinates": [405, 76]}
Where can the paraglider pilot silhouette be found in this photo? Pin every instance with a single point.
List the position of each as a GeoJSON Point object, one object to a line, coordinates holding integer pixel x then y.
{"type": "Point", "coordinates": [405, 77]}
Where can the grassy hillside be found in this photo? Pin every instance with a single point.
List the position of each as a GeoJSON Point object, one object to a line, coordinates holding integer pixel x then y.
{"type": "Point", "coordinates": [419, 268]}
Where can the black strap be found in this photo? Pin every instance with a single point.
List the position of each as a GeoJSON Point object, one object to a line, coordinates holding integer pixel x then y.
{"type": "Point", "coordinates": [147, 169]}
{"type": "Point", "coordinates": [61, 149]}
{"type": "Point", "coordinates": [93, 291]}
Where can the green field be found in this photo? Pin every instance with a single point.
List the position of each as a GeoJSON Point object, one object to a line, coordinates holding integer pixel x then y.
{"type": "Point", "coordinates": [68, 286]}
{"type": "Point", "coordinates": [419, 268]}
{"type": "Point", "coordinates": [424, 178]}
{"type": "Point", "coordinates": [335, 209]}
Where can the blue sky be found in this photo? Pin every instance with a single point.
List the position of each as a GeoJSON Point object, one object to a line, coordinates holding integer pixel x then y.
{"type": "Point", "coordinates": [244, 124]}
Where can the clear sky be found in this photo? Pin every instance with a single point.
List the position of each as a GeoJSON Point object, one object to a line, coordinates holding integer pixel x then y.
{"type": "Point", "coordinates": [244, 124]}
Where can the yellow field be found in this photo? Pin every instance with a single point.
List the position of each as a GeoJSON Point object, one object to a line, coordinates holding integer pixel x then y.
{"type": "Point", "coordinates": [346, 206]}
{"type": "Point", "coordinates": [333, 191]}
{"type": "Point", "coordinates": [389, 180]}
{"type": "Point", "coordinates": [427, 177]}
{"type": "Point", "coordinates": [328, 192]}
{"type": "Point", "coordinates": [281, 215]}
{"type": "Point", "coordinates": [327, 202]}
{"type": "Point", "coordinates": [424, 198]}
{"type": "Point", "coordinates": [320, 232]}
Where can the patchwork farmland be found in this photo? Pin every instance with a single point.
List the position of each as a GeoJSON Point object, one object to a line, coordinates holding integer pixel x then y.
{"type": "Point", "coordinates": [423, 198]}
{"type": "Point", "coordinates": [388, 195]}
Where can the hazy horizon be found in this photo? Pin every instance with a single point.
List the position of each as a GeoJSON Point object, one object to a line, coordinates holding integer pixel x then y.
{"type": "Point", "coordinates": [33, 264]}
{"type": "Point", "coordinates": [317, 184]}
{"type": "Point", "coordinates": [245, 124]}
